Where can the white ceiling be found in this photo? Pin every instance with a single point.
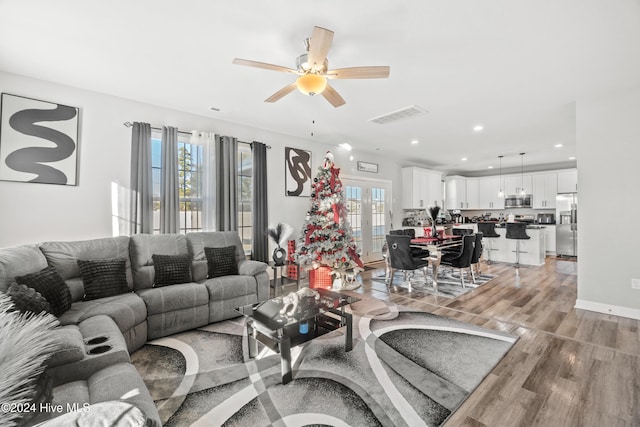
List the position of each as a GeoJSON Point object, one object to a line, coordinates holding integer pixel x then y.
{"type": "Point", "coordinates": [515, 66]}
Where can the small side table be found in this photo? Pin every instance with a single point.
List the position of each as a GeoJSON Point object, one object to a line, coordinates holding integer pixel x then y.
{"type": "Point", "coordinates": [284, 275]}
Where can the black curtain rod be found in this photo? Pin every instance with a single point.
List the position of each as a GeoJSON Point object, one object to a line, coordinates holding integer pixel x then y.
{"type": "Point", "coordinates": [129, 124]}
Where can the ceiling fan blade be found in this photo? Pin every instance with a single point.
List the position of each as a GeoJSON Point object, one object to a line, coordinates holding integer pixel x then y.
{"type": "Point", "coordinates": [263, 65]}
{"type": "Point", "coordinates": [282, 92]}
{"type": "Point", "coordinates": [319, 45]}
{"type": "Point", "coordinates": [332, 96]}
{"type": "Point", "coordinates": [375, 72]}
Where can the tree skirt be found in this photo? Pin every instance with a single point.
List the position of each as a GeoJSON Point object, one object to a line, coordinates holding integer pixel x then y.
{"type": "Point", "coordinates": [407, 368]}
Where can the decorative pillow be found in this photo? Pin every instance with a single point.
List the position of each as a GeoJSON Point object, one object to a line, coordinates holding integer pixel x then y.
{"type": "Point", "coordinates": [171, 269]}
{"type": "Point", "coordinates": [221, 261]}
{"type": "Point", "coordinates": [28, 299]}
{"type": "Point", "coordinates": [103, 277]}
{"type": "Point", "coordinates": [51, 286]}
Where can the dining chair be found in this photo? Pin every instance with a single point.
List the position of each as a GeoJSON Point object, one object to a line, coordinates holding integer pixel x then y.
{"type": "Point", "coordinates": [462, 258]}
{"type": "Point", "coordinates": [475, 258]}
{"type": "Point", "coordinates": [401, 258]}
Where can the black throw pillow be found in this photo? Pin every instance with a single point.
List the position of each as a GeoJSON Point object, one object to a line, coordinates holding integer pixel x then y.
{"type": "Point", "coordinates": [221, 261]}
{"type": "Point", "coordinates": [51, 286]}
{"type": "Point", "coordinates": [103, 277]}
{"type": "Point", "coordinates": [28, 299]}
{"type": "Point", "coordinates": [171, 269]}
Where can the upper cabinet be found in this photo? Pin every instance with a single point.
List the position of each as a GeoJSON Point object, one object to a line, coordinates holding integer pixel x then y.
{"type": "Point", "coordinates": [488, 189]}
{"type": "Point", "coordinates": [568, 181]}
{"type": "Point", "coordinates": [421, 188]}
{"type": "Point", "coordinates": [513, 184]}
{"type": "Point", "coordinates": [545, 188]}
{"type": "Point", "coordinates": [461, 193]}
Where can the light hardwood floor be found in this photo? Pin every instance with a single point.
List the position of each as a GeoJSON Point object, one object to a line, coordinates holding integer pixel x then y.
{"type": "Point", "coordinates": [569, 367]}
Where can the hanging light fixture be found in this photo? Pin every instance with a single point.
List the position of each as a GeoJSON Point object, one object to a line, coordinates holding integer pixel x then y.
{"type": "Point", "coordinates": [311, 84]}
{"type": "Point", "coordinates": [500, 193]}
{"type": "Point", "coordinates": [522, 190]}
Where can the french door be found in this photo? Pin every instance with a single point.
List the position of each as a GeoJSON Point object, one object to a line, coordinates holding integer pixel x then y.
{"type": "Point", "coordinates": [368, 203]}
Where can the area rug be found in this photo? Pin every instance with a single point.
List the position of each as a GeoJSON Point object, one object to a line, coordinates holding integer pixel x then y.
{"type": "Point", "coordinates": [448, 283]}
{"type": "Point", "coordinates": [407, 368]}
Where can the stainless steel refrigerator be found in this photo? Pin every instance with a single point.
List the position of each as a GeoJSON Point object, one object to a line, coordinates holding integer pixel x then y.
{"type": "Point", "coordinates": [567, 224]}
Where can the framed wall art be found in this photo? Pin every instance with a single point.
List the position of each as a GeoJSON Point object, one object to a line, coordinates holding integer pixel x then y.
{"type": "Point", "coordinates": [38, 141]}
{"type": "Point", "coordinates": [368, 167]}
{"type": "Point", "coordinates": [297, 174]}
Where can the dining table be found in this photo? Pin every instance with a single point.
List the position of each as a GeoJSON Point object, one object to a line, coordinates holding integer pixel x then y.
{"type": "Point", "coordinates": [435, 245]}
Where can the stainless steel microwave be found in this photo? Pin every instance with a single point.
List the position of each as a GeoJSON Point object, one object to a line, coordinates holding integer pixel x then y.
{"type": "Point", "coordinates": [517, 201]}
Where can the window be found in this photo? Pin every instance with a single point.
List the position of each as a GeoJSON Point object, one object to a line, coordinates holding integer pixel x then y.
{"type": "Point", "coordinates": [245, 195]}
{"type": "Point", "coordinates": [190, 177]}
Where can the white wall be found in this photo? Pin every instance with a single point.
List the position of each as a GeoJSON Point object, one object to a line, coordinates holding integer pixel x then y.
{"type": "Point", "coordinates": [608, 135]}
{"type": "Point", "coordinates": [31, 213]}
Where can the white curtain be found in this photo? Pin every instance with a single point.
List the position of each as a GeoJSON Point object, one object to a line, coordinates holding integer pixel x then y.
{"type": "Point", "coordinates": [207, 140]}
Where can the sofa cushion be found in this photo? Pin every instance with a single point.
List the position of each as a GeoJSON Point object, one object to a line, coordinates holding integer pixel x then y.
{"type": "Point", "coordinates": [142, 248]}
{"type": "Point", "coordinates": [70, 346]}
{"type": "Point", "coordinates": [64, 257]}
{"type": "Point", "coordinates": [18, 261]}
{"type": "Point", "coordinates": [103, 277]}
{"type": "Point", "coordinates": [221, 261]}
{"type": "Point", "coordinates": [127, 310]}
{"type": "Point", "coordinates": [28, 299]}
{"type": "Point", "coordinates": [250, 267]}
{"type": "Point", "coordinates": [171, 269]}
{"type": "Point", "coordinates": [171, 298]}
{"type": "Point", "coordinates": [49, 283]}
{"type": "Point", "coordinates": [213, 239]}
{"type": "Point", "coordinates": [226, 287]}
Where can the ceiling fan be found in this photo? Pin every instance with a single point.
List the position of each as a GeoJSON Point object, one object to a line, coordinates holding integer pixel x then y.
{"type": "Point", "coordinates": [313, 70]}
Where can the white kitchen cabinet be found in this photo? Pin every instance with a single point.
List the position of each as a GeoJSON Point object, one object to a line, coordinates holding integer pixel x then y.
{"type": "Point", "coordinates": [568, 181]}
{"type": "Point", "coordinates": [461, 193]}
{"type": "Point", "coordinates": [550, 239]}
{"type": "Point", "coordinates": [421, 188]}
{"type": "Point", "coordinates": [545, 188]}
{"type": "Point", "coordinates": [488, 189]}
{"type": "Point", "coordinates": [513, 184]}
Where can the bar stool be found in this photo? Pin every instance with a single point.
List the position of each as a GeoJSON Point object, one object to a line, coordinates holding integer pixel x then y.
{"type": "Point", "coordinates": [488, 230]}
{"type": "Point", "coordinates": [517, 231]}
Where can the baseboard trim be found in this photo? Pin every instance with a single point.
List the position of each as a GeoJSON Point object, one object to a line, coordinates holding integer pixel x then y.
{"type": "Point", "coordinates": [616, 310]}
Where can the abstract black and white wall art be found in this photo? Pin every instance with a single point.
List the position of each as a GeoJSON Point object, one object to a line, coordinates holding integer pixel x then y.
{"type": "Point", "coordinates": [297, 172]}
{"type": "Point", "coordinates": [38, 141]}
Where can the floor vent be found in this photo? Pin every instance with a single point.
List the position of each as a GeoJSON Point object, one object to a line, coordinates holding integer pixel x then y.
{"type": "Point", "coordinates": [403, 113]}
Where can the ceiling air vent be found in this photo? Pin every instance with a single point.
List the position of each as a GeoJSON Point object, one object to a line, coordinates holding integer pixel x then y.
{"type": "Point", "coordinates": [403, 113]}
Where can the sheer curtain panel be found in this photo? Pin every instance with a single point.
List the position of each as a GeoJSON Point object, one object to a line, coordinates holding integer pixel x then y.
{"type": "Point", "coordinates": [141, 183]}
{"type": "Point", "coordinates": [260, 248]}
{"type": "Point", "coordinates": [226, 183]}
{"type": "Point", "coordinates": [169, 194]}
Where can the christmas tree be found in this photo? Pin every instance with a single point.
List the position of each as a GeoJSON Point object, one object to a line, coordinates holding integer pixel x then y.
{"type": "Point", "coordinates": [326, 237]}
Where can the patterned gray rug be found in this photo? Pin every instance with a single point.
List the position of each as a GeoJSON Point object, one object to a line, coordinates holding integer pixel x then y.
{"type": "Point", "coordinates": [448, 283]}
{"type": "Point", "coordinates": [407, 368]}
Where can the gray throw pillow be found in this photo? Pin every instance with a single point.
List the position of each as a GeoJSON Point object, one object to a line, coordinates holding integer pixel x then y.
{"type": "Point", "coordinates": [51, 286]}
{"type": "Point", "coordinates": [171, 269]}
{"type": "Point", "coordinates": [28, 299]}
{"type": "Point", "coordinates": [103, 277]}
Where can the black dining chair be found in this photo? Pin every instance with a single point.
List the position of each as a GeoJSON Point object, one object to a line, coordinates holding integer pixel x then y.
{"type": "Point", "coordinates": [402, 258]}
{"type": "Point", "coordinates": [417, 251]}
{"type": "Point", "coordinates": [488, 230]}
{"type": "Point", "coordinates": [475, 257]}
{"type": "Point", "coordinates": [461, 259]}
{"type": "Point", "coordinates": [461, 231]}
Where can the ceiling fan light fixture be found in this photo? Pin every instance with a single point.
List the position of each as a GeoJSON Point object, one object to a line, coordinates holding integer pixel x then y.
{"type": "Point", "coordinates": [311, 84]}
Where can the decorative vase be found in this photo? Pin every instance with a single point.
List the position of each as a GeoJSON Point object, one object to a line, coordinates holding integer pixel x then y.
{"type": "Point", "coordinates": [434, 230]}
{"type": "Point", "coordinates": [279, 255]}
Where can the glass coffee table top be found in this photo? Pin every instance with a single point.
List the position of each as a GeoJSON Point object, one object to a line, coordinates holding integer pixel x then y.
{"type": "Point", "coordinates": [270, 313]}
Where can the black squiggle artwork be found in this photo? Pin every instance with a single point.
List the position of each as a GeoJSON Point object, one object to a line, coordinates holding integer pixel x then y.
{"type": "Point", "coordinates": [31, 159]}
{"type": "Point", "coordinates": [298, 169]}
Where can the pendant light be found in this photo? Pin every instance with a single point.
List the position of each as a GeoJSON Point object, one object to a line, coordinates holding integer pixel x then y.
{"type": "Point", "coordinates": [500, 193]}
{"type": "Point", "coordinates": [522, 190]}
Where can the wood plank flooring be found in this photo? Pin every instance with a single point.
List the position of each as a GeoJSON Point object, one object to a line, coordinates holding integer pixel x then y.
{"type": "Point", "coordinates": [569, 368]}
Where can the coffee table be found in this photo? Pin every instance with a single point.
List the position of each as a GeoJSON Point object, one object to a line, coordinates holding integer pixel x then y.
{"type": "Point", "coordinates": [281, 332]}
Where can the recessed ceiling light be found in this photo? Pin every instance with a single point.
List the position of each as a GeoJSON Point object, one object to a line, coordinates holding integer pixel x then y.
{"type": "Point", "coordinates": [478, 128]}
{"type": "Point", "coordinates": [414, 141]}
{"type": "Point", "coordinates": [572, 158]}
{"type": "Point", "coordinates": [345, 145]}
{"type": "Point", "coordinates": [464, 159]}
{"type": "Point", "coordinates": [490, 167]}
{"type": "Point", "coordinates": [351, 158]}
{"type": "Point", "coordinates": [558, 145]}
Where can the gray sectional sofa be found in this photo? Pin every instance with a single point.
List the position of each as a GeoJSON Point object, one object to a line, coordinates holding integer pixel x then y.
{"type": "Point", "coordinates": [97, 336]}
